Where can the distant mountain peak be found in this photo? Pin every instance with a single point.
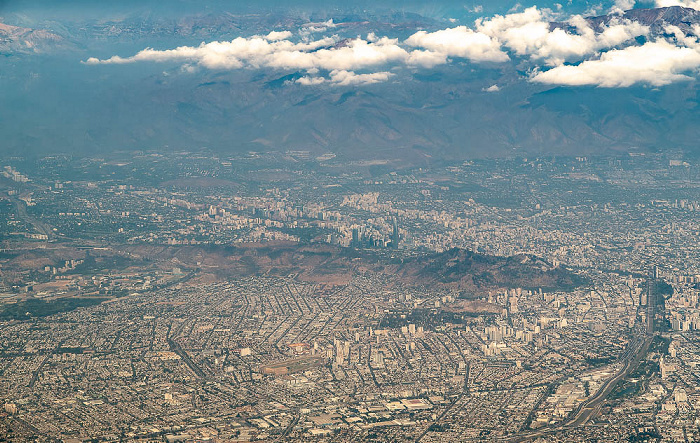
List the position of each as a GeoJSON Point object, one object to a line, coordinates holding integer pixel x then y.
{"type": "Point", "coordinates": [656, 18]}
{"type": "Point", "coordinates": [15, 39]}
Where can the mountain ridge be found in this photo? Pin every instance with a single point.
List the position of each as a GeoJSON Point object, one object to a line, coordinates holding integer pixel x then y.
{"type": "Point", "coordinates": [452, 112]}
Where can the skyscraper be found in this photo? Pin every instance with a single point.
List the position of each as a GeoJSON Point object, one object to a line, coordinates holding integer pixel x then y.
{"type": "Point", "coordinates": [395, 235]}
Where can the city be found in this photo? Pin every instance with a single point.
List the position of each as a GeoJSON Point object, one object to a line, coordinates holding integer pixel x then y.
{"type": "Point", "coordinates": [285, 297]}
{"type": "Point", "coordinates": [320, 221]}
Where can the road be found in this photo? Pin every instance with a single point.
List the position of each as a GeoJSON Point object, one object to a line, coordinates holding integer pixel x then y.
{"type": "Point", "coordinates": [591, 406]}
{"type": "Point", "coordinates": [175, 347]}
{"type": "Point", "coordinates": [630, 358]}
{"type": "Point", "coordinates": [39, 226]}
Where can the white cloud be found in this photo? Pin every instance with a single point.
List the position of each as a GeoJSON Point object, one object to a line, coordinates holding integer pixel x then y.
{"type": "Point", "coordinates": [523, 32]}
{"type": "Point", "coordinates": [694, 4]}
{"type": "Point", "coordinates": [426, 59]}
{"type": "Point", "coordinates": [528, 33]}
{"type": "Point", "coordinates": [618, 32]}
{"type": "Point", "coordinates": [607, 57]}
{"type": "Point", "coordinates": [317, 27]}
{"type": "Point", "coordinates": [681, 38]}
{"type": "Point", "coordinates": [655, 63]}
{"type": "Point", "coordinates": [273, 52]}
{"type": "Point", "coordinates": [356, 54]}
{"type": "Point", "coordinates": [346, 78]}
{"type": "Point", "coordinates": [278, 35]}
{"type": "Point", "coordinates": [460, 42]}
{"type": "Point", "coordinates": [189, 69]}
{"type": "Point", "coordinates": [621, 6]}
{"type": "Point", "coordinates": [310, 81]}
{"type": "Point", "coordinates": [592, 10]}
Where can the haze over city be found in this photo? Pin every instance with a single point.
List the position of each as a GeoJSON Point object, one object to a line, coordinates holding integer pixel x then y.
{"type": "Point", "coordinates": [349, 221]}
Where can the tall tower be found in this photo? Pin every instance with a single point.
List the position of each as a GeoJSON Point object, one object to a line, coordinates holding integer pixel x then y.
{"type": "Point", "coordinates": [395, 235]}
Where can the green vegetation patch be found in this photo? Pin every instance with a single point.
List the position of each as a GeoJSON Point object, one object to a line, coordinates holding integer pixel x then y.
{"type": "Point", "coordinates": [39, 308]}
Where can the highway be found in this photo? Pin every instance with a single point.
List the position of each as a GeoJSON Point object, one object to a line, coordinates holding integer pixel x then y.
{"type": "Point", "coordinates": [630, 358]}
{"type": "Point", "coordinates": [41, 227]}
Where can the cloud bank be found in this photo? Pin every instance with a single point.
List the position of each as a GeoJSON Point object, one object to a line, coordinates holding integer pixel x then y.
{"type": "Point", "coordinates": [655, 63]}
{"type": "Point", "coordinates": [275, 50]}
{"type": "Point", "coordinates": [694, 4]}
{"type": "Point", "coordinates": [621, 6]}
{"type": "Point", "coordinates": [460, 42]}
{"type": "Point", "coordinates": [570, 53]}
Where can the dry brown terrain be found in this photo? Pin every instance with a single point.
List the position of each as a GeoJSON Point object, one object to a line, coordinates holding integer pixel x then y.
{"type": "Point", "coordinates": [323, 264]}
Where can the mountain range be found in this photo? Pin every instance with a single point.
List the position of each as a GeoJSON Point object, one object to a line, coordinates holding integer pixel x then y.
{"type": "Point", "coordinates": [56, 103]}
